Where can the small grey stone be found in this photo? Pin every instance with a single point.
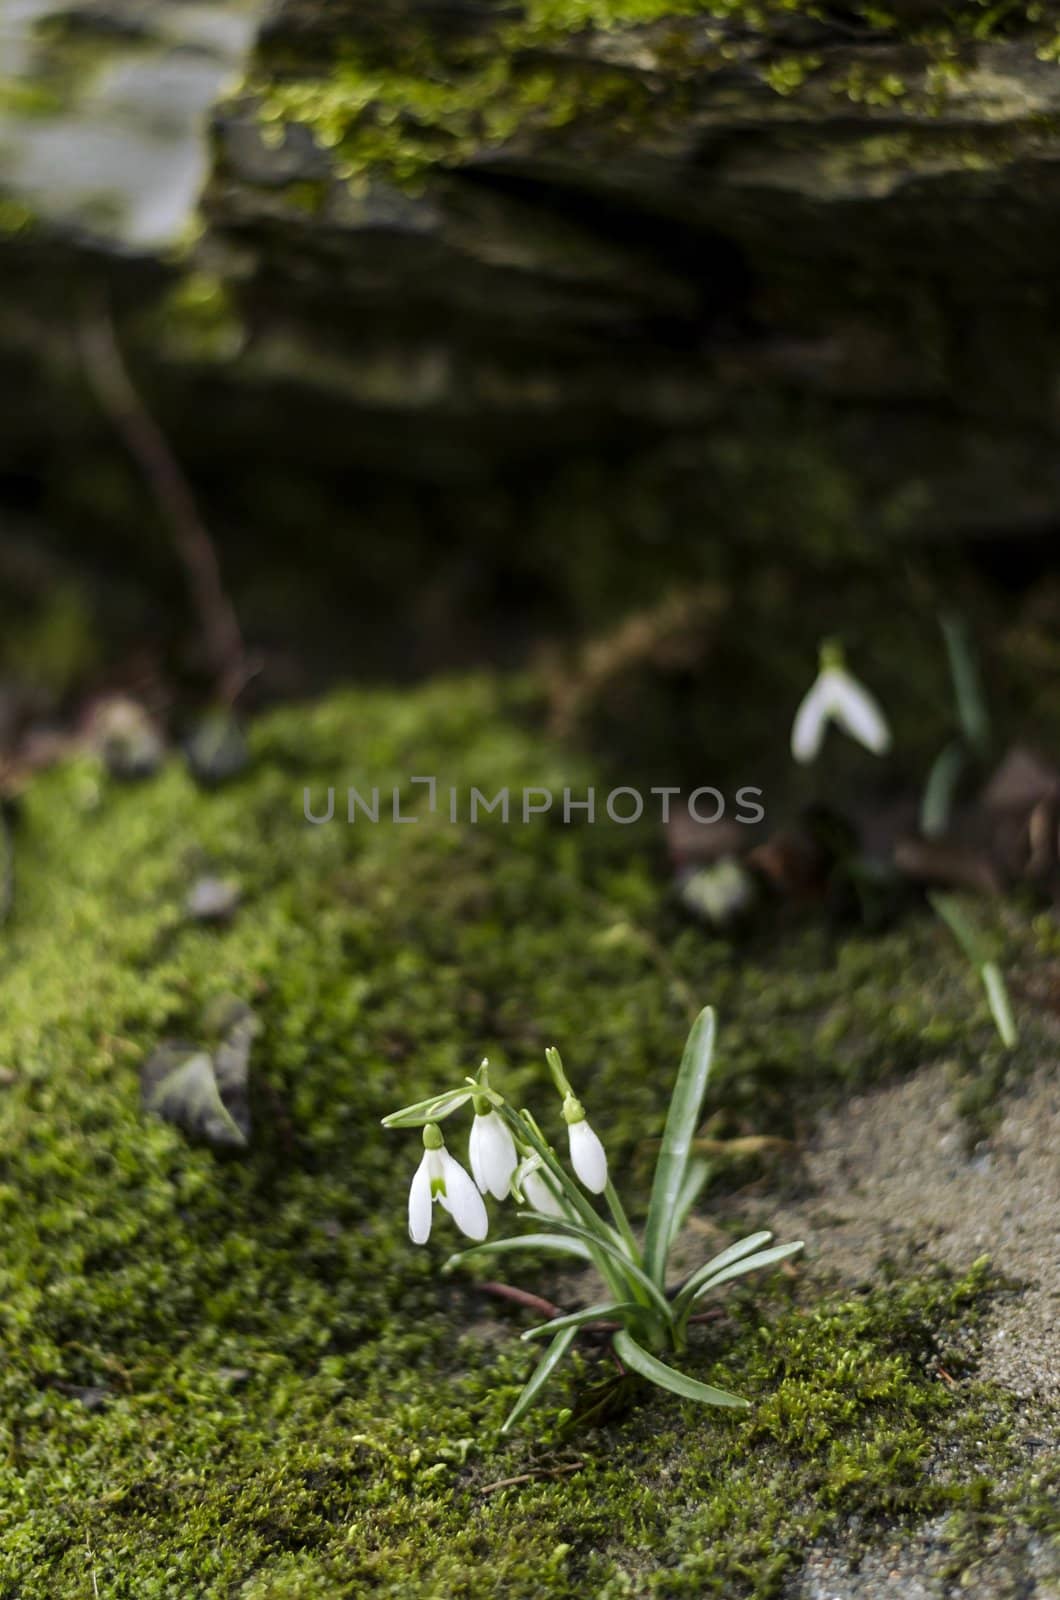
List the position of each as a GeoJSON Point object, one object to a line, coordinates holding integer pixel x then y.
{"type": "Point", "coordinates": [213, 899]}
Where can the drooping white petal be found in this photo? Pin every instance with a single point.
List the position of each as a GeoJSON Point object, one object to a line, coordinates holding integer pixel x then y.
{"type": "Point", "coordinates": [462, 1200]}
{"type": "Point", "coordinates": [476, 1155]}
{"type": "Point", "coordinates": [856, 711]}
{"type": "Point", "coordinates": [811, 719]}
{"type": "Point", "coordinates": [539, 1195]}
{"type": "Point", "coordinates": [420, 1202]}
{"type": "Point", "coordinates": [587, 1156]}
{"type": "Point", "coordinates": [491, 1152]}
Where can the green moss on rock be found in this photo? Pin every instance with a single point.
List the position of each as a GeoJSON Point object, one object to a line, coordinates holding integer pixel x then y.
{"type": "Point", "coordinates": [233, 1376]}
{"type": "Point", "coordinates": [401, 95]}
{"type": "Point", "coordinates": [401, 122]}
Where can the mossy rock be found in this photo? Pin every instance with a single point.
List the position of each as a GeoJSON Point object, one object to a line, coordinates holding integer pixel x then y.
{"type": "Point", "coordinates": [532, 310]}
{"type": "Point", "coordinates": [229, 1374]}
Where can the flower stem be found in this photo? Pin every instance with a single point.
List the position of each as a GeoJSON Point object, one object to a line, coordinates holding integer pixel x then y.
{"type": "Point", "coordinates": [570, 1192]}
{"type": "Point", "coordinates": [618, 1211]}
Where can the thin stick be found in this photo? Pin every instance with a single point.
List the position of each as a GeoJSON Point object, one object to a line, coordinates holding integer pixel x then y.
{"type": "Point", "coordinates": [521, 1297]}
{"type": "Point", "coordinates": [528, 1477]}
{"type": "Point", "coordinates": [109, 377]}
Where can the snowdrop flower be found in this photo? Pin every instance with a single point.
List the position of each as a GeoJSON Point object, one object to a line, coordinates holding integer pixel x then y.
{"type": "Point", "coordinates": [837, 696]}
{"type": "Point", "coordinates": [587, 1154]}
{"type": "Point", "coordinates": [539, 1193]}
{"type": "Point", "coordinates": [491, 1153]}
{"type": "Point", "coordinates": [439, 1177]}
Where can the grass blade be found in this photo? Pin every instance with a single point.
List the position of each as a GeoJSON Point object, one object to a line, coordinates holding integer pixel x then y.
{"type": "Point", "coordinates": [605, 1311]}
{"type": "Point", "coordinates": [734, 1252]}
{"type": "Point", "coordinates": [638, 1360]}
{"type": "Point", "coordinates": [681, 1123]}
{"type": "Point", "coordinates": [542, 1372]}
{"type": "Point", "coordinates": [997, 1000]}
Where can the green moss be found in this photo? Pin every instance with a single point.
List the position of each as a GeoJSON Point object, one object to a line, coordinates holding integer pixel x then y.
{"type": "Point", "coordinates": [866, 87]}
{"type": "Point", "coordinates": [195, 320]}
{"type": "Point", "coordinates": [790, 73]}
{"type": "Point", "coordinates": [421, 99]}
{"type": "Point", "coordinates": [234, 1376]}
{"type": "Point", "coordinates": [404, 122]}
{"type": "Point", "coordinates": [573, 16]}
{"type": "Point", "coordinates": [409, 97]}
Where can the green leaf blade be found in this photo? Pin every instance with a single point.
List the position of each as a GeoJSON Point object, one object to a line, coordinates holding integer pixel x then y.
{"type": "Point", "coordinates": [998, 1001]}
{"type": "Point", "coordinates": [940, 791]}
{"type": "Point", "coordinates": [542, 1372]}
{"type": "Point", "coordinates": [634, 1276]}
{"type": "Point", "coordinates": [697, 1175]}
{"type": "Point", "coordinates": [523, 1241]}
{"type": "Point", "coordinates": [972, 711]}
{"type": "Point", "coordinates": [962, 926]}
{"type": "Point", "coordinates": [648, 1366]}
{"type": "Point", "coordinates": [976, 947]}
{"type": "Point", "coordinates": [755, 1263]}
{"type": "Point", "coordinates": [681, 1123]}
{"type": "Point", "coordinates": [432, 1110]}
{"type": "Point", "coordinates": [734, 1252]}
{"type": "Point", "coordinates": [604, 1311]}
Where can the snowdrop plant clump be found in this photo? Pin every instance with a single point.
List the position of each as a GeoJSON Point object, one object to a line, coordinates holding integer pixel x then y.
{"type": "Point", "coordinates": [509, 1156]}
{"type": "Point", "coordinates": [836, 696]}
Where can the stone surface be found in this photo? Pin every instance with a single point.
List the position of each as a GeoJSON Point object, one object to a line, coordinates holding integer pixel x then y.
{"type": "Point", "coordinates": [916, 1569]}
{"type": "Point", "coordinates": [586, 300]}
{"type": "Point", "coordinates": [104, 109]}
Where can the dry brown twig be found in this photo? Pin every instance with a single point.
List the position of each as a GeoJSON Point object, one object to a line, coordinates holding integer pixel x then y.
{"type": "Point", "coordinates": [521, 1297]}
{"type": "Point", "coordinates": [109, 378]}
{"type": "Point", "coordinates": [557, 1471]}
{"type": "Point", "coordinates": [671, 635]}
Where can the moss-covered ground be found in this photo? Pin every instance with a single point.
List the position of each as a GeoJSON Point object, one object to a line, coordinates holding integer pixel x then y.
{"type": "Point", "coordinates": [231, 1375]}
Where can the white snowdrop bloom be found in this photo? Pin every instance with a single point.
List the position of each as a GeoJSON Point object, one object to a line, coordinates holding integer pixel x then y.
{"type": "Point", "coordinates": [439, 1177]}
{"type": "Point", "coordinates": [837, 696]}
{"type": "Point", "coordinates": [491, 1152]}
{"type": "Point", "coordinates": [587, 1154]}
{"type": "Point", "coordinates": [540, 1195]}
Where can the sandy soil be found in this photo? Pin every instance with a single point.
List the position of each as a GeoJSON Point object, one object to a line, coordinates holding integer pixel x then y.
{"type": "Point", "coordinates": [890, 1174]}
